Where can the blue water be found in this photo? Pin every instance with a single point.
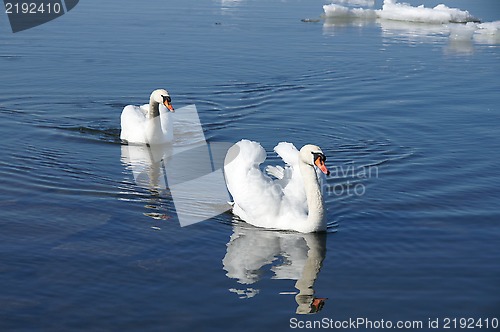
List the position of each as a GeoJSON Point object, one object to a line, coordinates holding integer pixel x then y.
{"type": "Point", "coordinates": [83, 247]}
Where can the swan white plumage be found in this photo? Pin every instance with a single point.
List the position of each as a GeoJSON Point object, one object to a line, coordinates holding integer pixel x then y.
{"type": "Point", "coordinates": [292, 201]}
{"type": "Point", "coordinates": [150, 123]}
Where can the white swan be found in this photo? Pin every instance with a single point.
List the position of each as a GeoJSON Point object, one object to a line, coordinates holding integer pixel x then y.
{"type": "Point", "coordinates": [150, 123]}
{"type": "Point", "coordinates": [292, 201]}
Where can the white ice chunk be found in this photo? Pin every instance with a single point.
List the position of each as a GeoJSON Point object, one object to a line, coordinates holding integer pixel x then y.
{"type": "Point", "coordinates": [490, 28]}
{"type": "Point", "coordinates": [440, 14]}
{"type": "Point", "coordinates": [335, 10]}
{"type": "Point", "coordinates": [392, 10]}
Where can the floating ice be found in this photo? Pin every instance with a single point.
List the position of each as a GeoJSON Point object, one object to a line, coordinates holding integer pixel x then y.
{"type": "Point", "coordinates": [363, 3]}
{"type": "Point", "coordinates": [490, 28]}
{"type": "Point", "coordinates": [392, 10]}
{"type": "Point", "coordinates": [488, 33]}
{"type": "Point", "coordinates": [439, 20]}
{"type": "Point", "coordinates": [335, 10]}
{"type": "Point", "coordinates": [462, 32]}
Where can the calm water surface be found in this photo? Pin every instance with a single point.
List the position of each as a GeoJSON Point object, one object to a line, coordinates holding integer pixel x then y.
{"type": "Point", "coordinates": [408, 118]}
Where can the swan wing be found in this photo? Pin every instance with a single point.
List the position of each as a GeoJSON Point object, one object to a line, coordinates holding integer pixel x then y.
{"type": "Point", "coordinates": [290, 155]}
{"type": "Point", "coordinates": [256, 196]}
{"type": "Point", "coordinates": [132, 121]}
{"type": "Point", "coordinates": [288, 152]}
{"type": "Point", "coordinates": [277, 171]}
{"type": "Point", "coordinates": [294, 195]}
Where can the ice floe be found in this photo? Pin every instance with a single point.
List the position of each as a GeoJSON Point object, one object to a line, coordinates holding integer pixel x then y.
{"type": "Point", "coordinates": [457, 23]}
{"type": "Point", "coordinates": [393, 10]}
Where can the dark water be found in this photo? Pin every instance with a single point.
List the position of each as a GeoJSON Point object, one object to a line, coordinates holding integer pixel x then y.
{"type": "Point", "coordinates": [408, 118]}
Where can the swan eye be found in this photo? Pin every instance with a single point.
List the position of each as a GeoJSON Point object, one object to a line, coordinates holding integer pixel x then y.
{"type": "Point", "coordinates": [319, 155]}
{"type": "Point", "coordinates": [167, 98]}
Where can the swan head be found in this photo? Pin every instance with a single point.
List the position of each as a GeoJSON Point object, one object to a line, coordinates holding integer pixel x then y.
{"type": "Point", "coordinates": [313, 156]}
{"type": "Point", "coordinates": [162, 96]}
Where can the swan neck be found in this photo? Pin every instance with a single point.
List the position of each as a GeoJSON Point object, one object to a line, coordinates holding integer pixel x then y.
{"type": "Point", "coordinates": [153, 127]}
{"type": "Point", "coordinates": [154, 108]}
{"type": "Point", "coordinates": [315, 204]}
{"type": "Point", "coordinates": [315, 256]}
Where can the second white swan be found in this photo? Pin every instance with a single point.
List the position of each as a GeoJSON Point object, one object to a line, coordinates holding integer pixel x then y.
{"type": "Point", "coordinates": [150, 123]}
{"type": "Point", "coordinates": [292, 201]}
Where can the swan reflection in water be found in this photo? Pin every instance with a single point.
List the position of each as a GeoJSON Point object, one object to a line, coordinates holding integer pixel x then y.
{"type": "Point", "coordinates": [292, 256]}
{"type": "Point", "coordinates": [189, 169]}
{"type": "Point", "coordinates": [147, 166]}
{"type": "Point", "coordinates": [190, 174]}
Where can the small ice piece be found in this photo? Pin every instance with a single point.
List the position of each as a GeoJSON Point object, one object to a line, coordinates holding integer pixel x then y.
{"type": "Point", "coordinates": [488, 33]}
{"type": "Point", "coordinates": [391, 10]}
{"type": "Point", "coordinates": [334, 10]}
{"type": "Point", "coordinates": [490, 28]}
{"type": "Point", "coordinates": [462, 32]}
{"type": "Point", "coordinates": [361, 3]}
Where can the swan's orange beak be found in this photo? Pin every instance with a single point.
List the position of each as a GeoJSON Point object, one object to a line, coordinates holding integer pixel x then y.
{"type": "Point", "coordinates": [321, 165]}
{"type": "Point", "coordinates": [169, 106]}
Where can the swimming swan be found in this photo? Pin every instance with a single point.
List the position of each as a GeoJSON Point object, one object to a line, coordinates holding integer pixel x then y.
{"type": "Point", "coordinates": [292, 201]}
{"type": "Point", "coordinates": [148, 124]}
